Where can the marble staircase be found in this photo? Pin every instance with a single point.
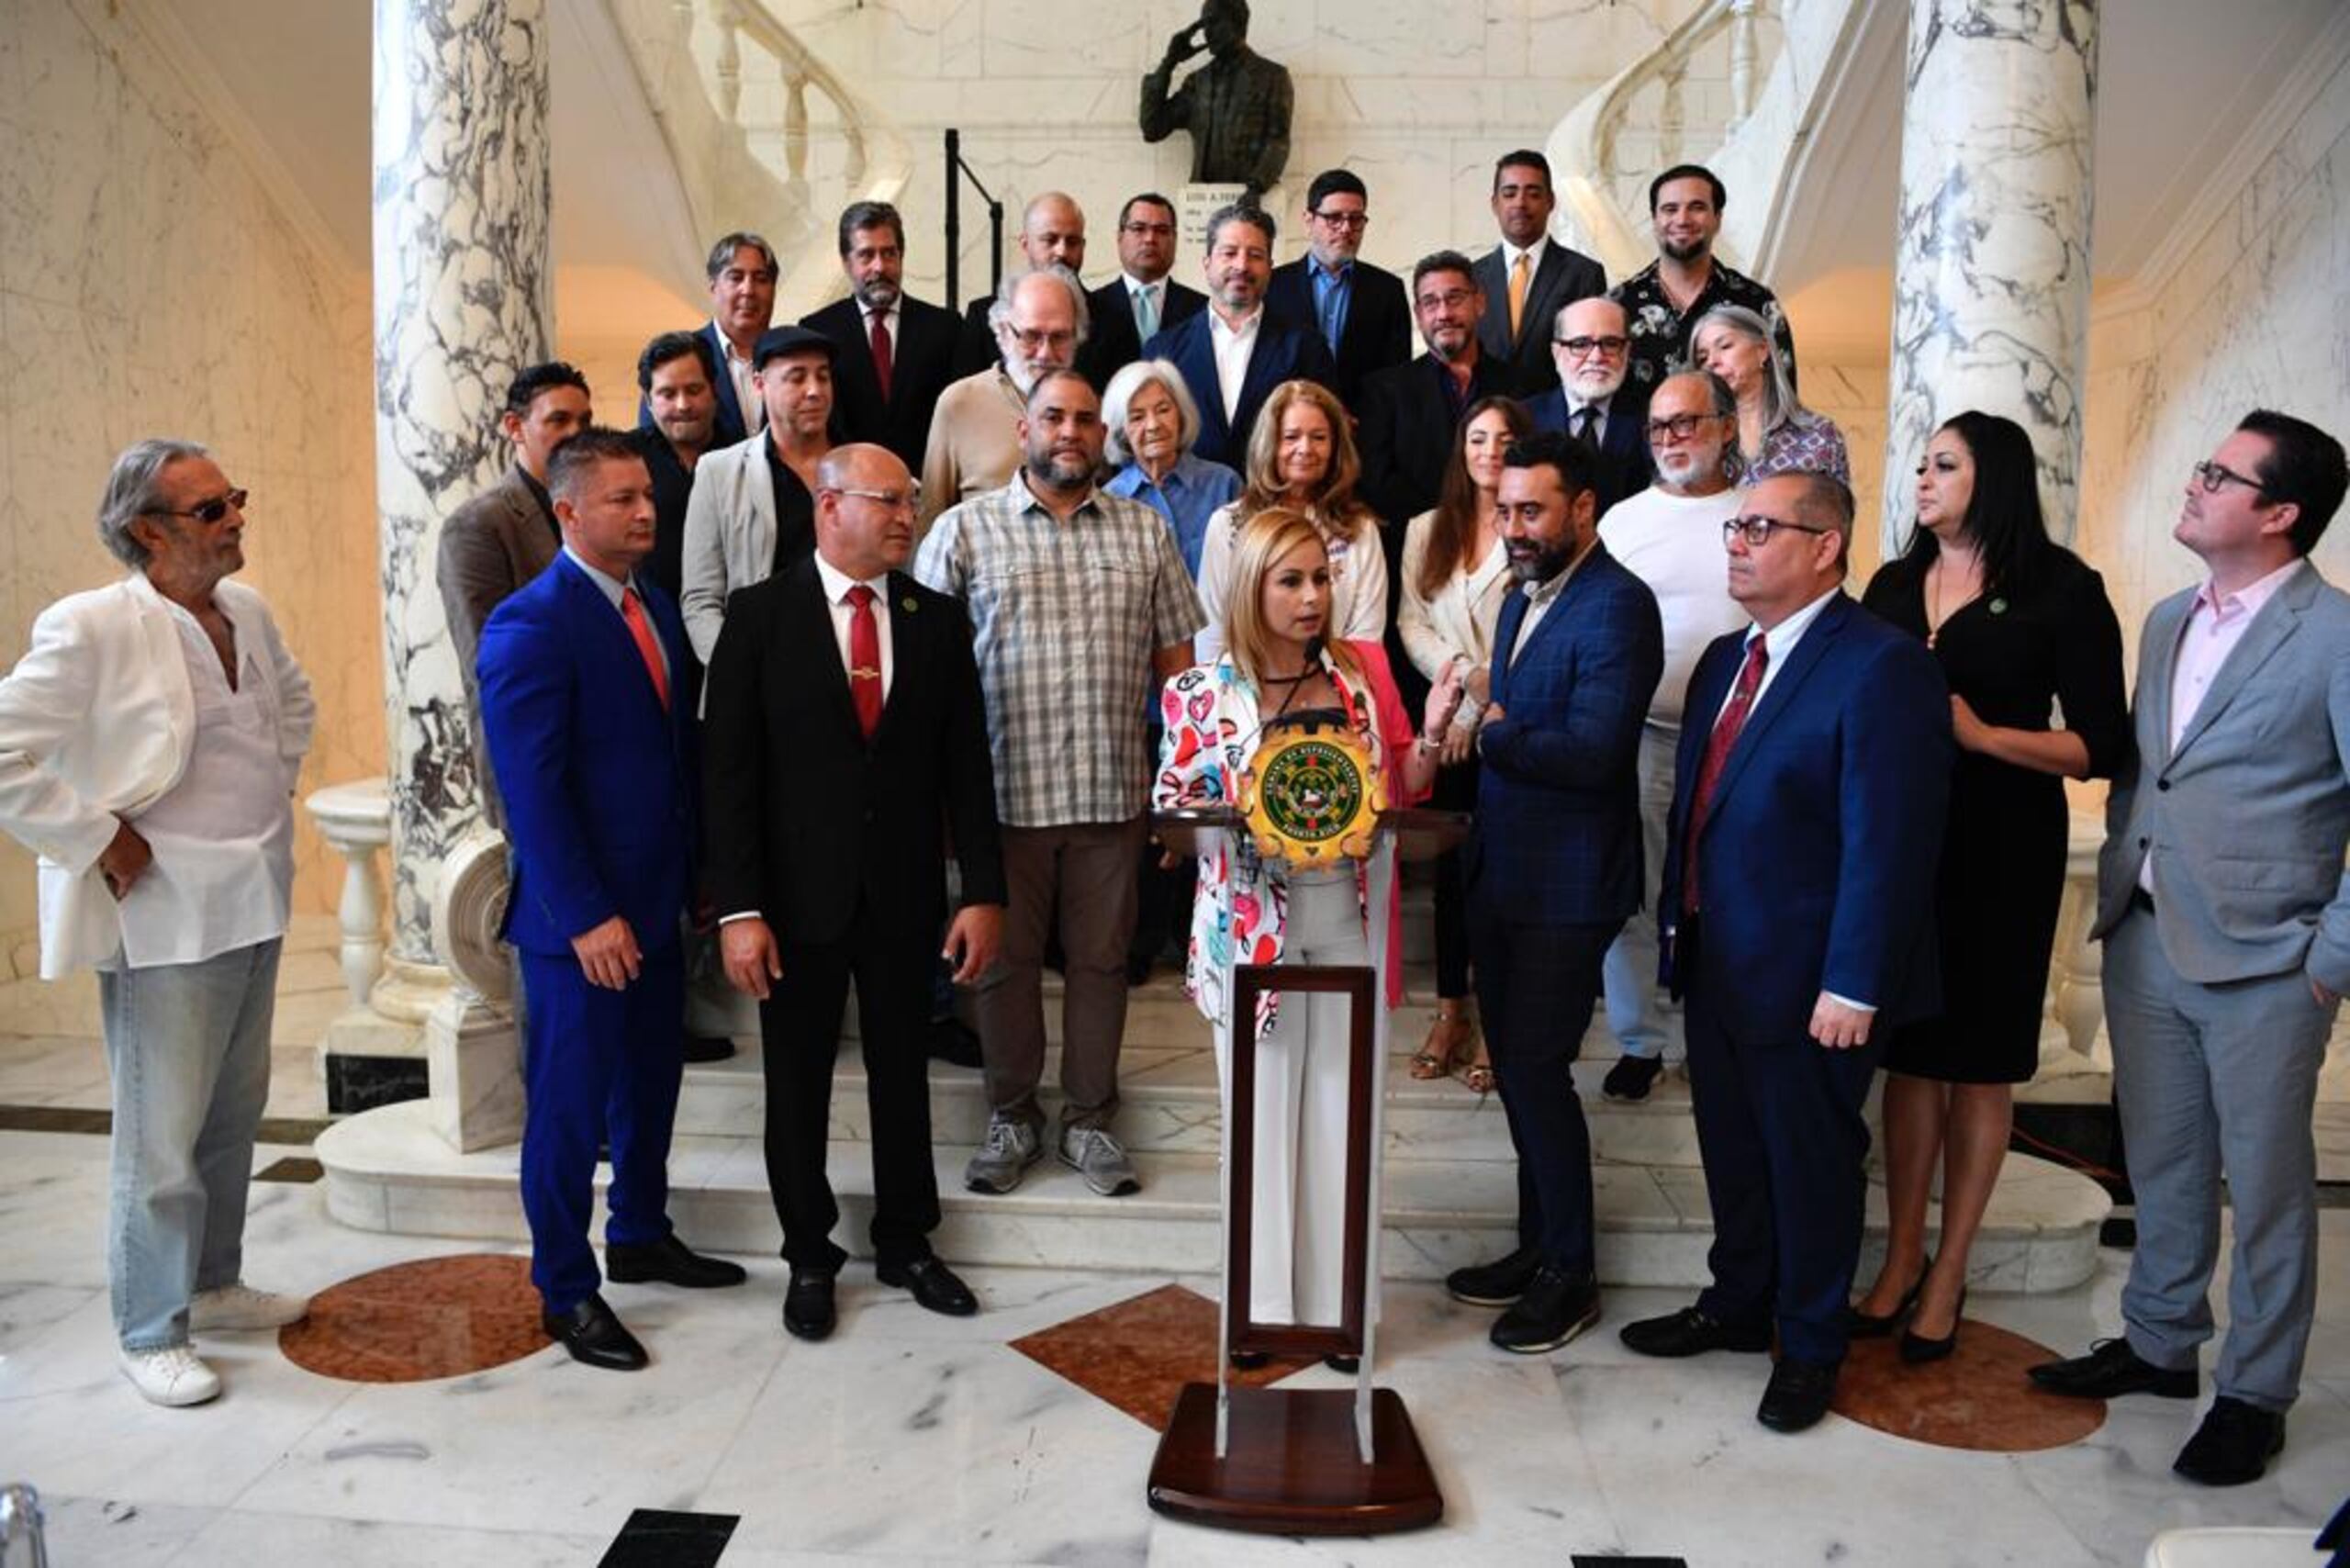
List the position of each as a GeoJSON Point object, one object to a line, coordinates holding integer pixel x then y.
{"type": "Point", "coordinates": [1451, 1196]}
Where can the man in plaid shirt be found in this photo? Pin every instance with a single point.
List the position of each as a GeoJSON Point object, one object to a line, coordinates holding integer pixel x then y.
{"type": "Point", "coordinates": [1080, 607]}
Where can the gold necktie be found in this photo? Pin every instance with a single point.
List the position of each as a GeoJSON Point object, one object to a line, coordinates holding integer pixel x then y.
{"type": "Point", "coordinates": [1518, 273]}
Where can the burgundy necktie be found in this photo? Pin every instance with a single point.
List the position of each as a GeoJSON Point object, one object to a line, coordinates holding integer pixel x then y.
{"type": "Point", "coordinates": [632, 611]}
{"type": "Point", "coordinates": [1709, 772]}
{"type": "Point", "coordinates": [863, 660]}
{"type": "Point", "coordinates": [881, 352]}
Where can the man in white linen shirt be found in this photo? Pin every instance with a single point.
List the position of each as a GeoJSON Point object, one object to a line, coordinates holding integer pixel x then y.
{"type": "Point", "coordinates": [150, 741]}
{"type": "Point", "coordinates": [1670, 536]}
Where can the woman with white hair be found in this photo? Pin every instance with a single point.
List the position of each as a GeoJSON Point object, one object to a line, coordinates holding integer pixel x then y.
{"type": "Point", "coordinates": [1776, 435]}
{"type": "Point", "coordinates": [1152, 423]}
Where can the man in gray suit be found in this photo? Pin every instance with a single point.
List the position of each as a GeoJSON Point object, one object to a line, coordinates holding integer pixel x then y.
{"type": "Point", "coordinates": [1529, 277]}
{"type": "Point", "coordinates": [504, 536]}
{"type": "Point", "coordinates": [2226, 921]}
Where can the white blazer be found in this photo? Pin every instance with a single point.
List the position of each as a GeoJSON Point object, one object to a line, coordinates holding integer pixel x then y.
{"type": "Point", "coordinates": [96, 722]}
{"type": "Point", "coordinates": [729, 536]}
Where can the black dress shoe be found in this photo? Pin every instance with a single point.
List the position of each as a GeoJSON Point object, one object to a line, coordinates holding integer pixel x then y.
{"type": "Point", "coordinates": [668, 1262]}
{"type": "Point", "coordinates": [2233, 1445]}
{"type": "Point", "coordinates": [594, 1336]}
{"type": "Point", "coordinates": [1631, 1078]}
{"type": "Point", "coordinates": [1496, 1283]}
{"type": "Point", "coordinates": [1690, 1332]}
{"type": "Point", "coordinates": [1917, 1349]}
{"type": "Point", "coordinates": [1797, 1396]}
{"type": "Point", "coordinates": [708, 1048]}
{"type": "Point", "coordinates": [1556, 1307]}
{"type": "Point", "coordinates": [2111, 1370]}
{"type": "Point", "coordinates": [1248, 1361]}
{"type": "Point", "coordinates": [1859, 1325]}
{"type": "Point", "coordinates": [808, 1303]}
{"type": "Point", "coordinates": [933, 1284]}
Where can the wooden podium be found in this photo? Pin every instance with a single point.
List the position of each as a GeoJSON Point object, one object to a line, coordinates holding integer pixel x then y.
{"type": "Point", "coordinates": [1286, 1461]}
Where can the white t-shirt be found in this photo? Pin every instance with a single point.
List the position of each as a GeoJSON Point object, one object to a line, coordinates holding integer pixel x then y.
{"type": "Point", "coordinates": [1673, 544]}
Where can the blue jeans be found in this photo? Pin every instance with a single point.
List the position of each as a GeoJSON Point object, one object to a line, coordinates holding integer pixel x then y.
{"type": "Point", "coordinates": [187, 1046]}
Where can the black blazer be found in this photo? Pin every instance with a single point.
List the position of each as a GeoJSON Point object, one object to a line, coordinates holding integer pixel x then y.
{"type": "Point", "coordinates": [1285, 350]}
{"type": "Point", "coordinates": [920, 368]}
{"type": "Point", "coordinates": [1405, 430]}
{"type": "Point", "coordinates": [808, 822]}
{"type": "Point", "coordinates": [1563, 278]}
{"type": "Point", "coordinates": [1379, 322]}
{"type": "Point", "coordinates": [1112, 345]}
{"type": "Point", "coordinates": [1625, 467]}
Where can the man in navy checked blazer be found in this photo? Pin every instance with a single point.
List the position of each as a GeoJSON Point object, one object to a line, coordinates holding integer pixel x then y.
{"type": "Point", "coordinates": [1553, 868]}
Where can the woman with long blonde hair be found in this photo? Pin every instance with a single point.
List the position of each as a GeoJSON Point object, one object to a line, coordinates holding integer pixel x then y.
{"type": "Point", "coordinates": [1284, 665]}
{"type": "Point", "coordinates": [1302, 458]}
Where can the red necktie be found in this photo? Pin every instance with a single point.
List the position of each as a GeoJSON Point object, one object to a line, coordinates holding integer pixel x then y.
{"type": "Point", "coordinates": [632, 611]}
{"type": "Point", "coordinates": [881, 352]}
{"type": "Point", "coordinates": [1709, 773]}
{"type": "Point", "coordinates": [863, 660]}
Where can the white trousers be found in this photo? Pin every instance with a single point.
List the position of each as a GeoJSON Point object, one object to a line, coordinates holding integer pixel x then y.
{"type": "Point", "coordinates": [1297, 1252]}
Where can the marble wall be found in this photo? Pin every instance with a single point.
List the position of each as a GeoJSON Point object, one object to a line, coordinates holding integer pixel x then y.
{"type": "Point", "coordinates": [151, 284]}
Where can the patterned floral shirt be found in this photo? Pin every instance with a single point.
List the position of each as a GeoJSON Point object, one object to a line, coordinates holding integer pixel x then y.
{"type": "Point", "coordinates": [1661, 333]}
{"type": "Point", "coordinates": [1807, 443]}
{"type": "Point", "coordinates": [1242, 909]}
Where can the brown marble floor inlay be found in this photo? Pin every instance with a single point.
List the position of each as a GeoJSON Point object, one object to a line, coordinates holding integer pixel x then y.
{"type": "Point", "coordinates": [1138, 1354]}
{"type": "Point", "coordinates": [1978, 1398]}
{"type": "Point", "coordinates": [413, 1322]}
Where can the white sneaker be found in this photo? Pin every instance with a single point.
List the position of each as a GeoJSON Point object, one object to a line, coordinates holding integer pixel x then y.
{"type": "Point", "coordinates": [232, 1308]}
{"type": "Point", "coordinates": [172, 1375]}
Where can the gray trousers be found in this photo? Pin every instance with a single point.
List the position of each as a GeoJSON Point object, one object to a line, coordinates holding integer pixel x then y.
{"type": "Point", "coordinates": [2216, 1080]}
{"type": "Point", "coordinates": [1087, 871]}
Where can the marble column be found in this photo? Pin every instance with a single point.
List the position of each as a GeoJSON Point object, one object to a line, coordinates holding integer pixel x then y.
{"type": "Point", "coordinates": [1991, 274]}
{"type": "Point", "coordinates": [462, 300]}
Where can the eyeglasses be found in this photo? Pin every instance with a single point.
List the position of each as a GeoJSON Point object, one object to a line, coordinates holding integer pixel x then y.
{"type": "Point", "coordinates": [1580, 347]}
{"type": "Point", "coordinates": [2212, 475]}
{"type": "Point", "coordinates": [1030, 340]}
{"type": "Point", "coordinates": [1679, 427]}
{"type": "Point", "coordinates": [910, 498]}
{"type": "Point", "coordinates": [1156, 230]}
{"type": "Point", "coordinates": [1756, 529]}
{"type": "Point", "coordinates": [1450, 300]}
{"type": "Point", "coordinates": [1343, 220]}
{"type": "Point", "coordinates": [218, 507]}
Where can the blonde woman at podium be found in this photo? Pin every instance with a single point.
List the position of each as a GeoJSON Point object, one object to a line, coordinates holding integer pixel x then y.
{"type": "Point", "coordinates": [1280, 668]}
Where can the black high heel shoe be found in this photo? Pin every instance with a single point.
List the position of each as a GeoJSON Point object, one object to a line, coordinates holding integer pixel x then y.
{"type": "Point", "coordinates": [1917, 1349]}
{"type": "Point", "coordinates": [1859, 1325]}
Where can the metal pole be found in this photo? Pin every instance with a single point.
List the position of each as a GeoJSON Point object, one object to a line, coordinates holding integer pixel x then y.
{"type": "Point", "coordinates": [954, 215]}
{"type": "Point", "coordinates": [995, 246]}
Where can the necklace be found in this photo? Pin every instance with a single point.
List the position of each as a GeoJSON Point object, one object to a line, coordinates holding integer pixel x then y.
{"type": "Point", "coordinates": [1936, 616]}
{"type": "Point", "coordinates": [1289, 679]}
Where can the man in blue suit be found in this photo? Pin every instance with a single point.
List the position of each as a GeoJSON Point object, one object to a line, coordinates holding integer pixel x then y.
{"type": "Point", "coordinates": [1235, 352]}
{"type": "Point", "coordinates": [1553, 868]}
{"type": "Point", "coordinates": [586, 688]}
{"type": "Point", "coordinates": [1796, 910]}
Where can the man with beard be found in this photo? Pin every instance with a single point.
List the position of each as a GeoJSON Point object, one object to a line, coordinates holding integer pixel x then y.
{"type": "Point", "coordinates": [896, 352]}
{"type": "Point", "coordinates": [742, 274]}
{"type": "Point", "coordinates": [1553, 864]}
{"type": "Point", "coordinates": [1040, 321]}
{"type": "Point", "coordinates": [1409, 419]}
{"type": "Point", "coordinates": [1080, 607]}
{"type": "Point", "coordinates": [1591, 402]}
{"type": "Point", "coordinates": [1669, 537]}
{"type": "Point", "coordinates": [1052, 234]}
{"type": "Point", "coordinates": [1664, 301]}
{"type": "Point", "coordinates": [678, 377]}
{"type": "Point", "coordinates": [1359, 310]}
{"type": "Point", "coordinates": [1235, 352]}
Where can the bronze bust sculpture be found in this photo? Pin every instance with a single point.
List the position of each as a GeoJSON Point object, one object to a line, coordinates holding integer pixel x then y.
{"type": "Point", "coordinates": [1237, 106]}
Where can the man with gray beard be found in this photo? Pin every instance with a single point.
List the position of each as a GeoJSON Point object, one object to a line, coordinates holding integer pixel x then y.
{"type": "Point", "coordinates": [1039, 318]}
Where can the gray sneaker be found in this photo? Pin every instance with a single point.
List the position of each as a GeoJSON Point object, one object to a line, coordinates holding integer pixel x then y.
{"type": "Point", "coordinates": [1101, 1159]}
{"type": "Point", "coordinates": [1012, 1147]}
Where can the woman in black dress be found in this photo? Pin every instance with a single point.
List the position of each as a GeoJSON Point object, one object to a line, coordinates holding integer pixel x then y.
{"type": "Point", "coordinates": [2019, 625]}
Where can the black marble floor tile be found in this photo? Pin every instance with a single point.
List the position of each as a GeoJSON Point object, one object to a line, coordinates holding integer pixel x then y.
{"type": "Point", "coordinates": [658, 1538]}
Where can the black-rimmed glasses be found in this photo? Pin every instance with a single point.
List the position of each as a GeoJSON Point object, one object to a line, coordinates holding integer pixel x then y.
{"type": "Point", "coordinates": [2212, 475]}
{"type": "Point", "coordinates": [215, 509]}
{"type": "Point", "coordinates": [1756, 529]}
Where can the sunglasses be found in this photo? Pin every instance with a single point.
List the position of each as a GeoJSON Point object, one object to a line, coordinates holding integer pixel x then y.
{"type": "Point", "coordinates": [210, 511]}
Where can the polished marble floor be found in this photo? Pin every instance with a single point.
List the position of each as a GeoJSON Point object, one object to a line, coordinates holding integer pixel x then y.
{"type": "Point", "coordinates": [912, 1438]}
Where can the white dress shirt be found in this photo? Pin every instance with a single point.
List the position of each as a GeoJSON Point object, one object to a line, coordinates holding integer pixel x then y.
{"type": "Point", "coordinates": [1540, 597]}
{"type": "Point", "coordinates": [1233, 345]}
{"type": "Point", "coordinates": [738, 371]}
{"type": "Point", "coordinates": [836, 585]}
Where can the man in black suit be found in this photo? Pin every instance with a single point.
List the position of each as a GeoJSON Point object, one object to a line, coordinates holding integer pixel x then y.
{"type": "Point", "coordinates": [1592, 401]}
{"type": "Point", "coordinates": [846, 737]}
{"type": "Point", "coordinates": [1359, 308]}
{"type": "Point", "coordinates": [1528, 278]}
{"type": "Point", "coordinates": [743, 274]}
{"type": "Point", "coordinates": [677, 378]}
{"type": "Point", "coordinates": [1131, 309]}
{"type": "Point", "coordinates": [897, 352]}
{"type": "Point", "coordinates": [1052, 234]}
{"type": "Point", "coordinates": [1409, 415]}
